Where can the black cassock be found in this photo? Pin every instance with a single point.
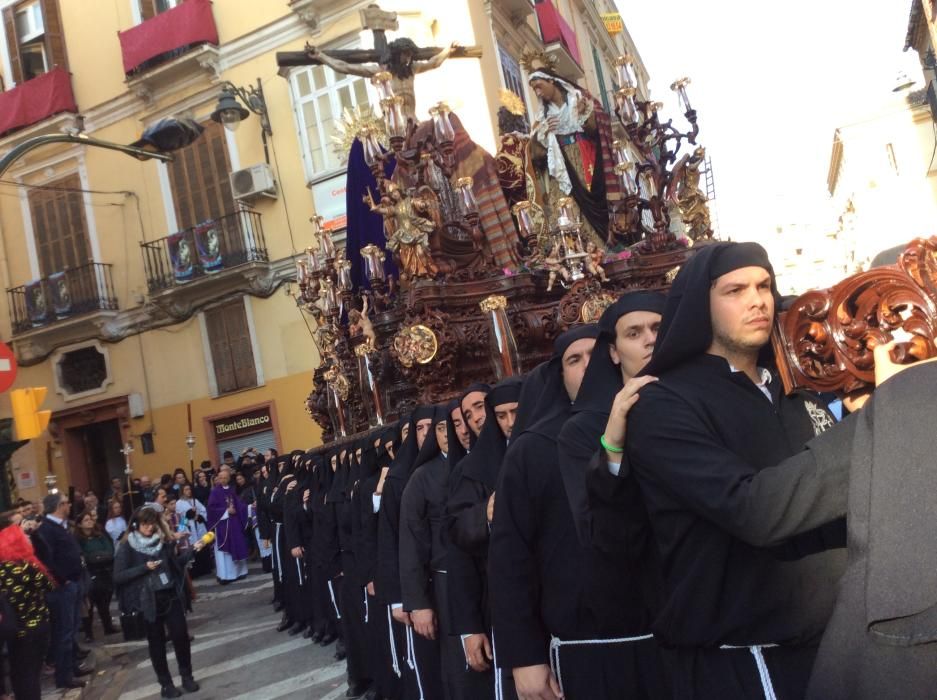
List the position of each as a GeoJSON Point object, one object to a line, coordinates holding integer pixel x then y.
{"type": "Point", "coordinates": [326, 552]}
{"type": "Point", "coordinates": [748, 522]}
{"type": "Point", "coordinates": [423, 562]}
{"type": "Point", "coordinates": [297, 533]}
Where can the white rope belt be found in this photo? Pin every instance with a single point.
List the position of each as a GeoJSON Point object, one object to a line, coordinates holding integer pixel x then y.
{"type": "Point", "coordinates": [499, 685]}
{"type": "Point", "coordinates": [763, 673]}
{"type": "Point", "coordinates": [338, 615]}
{"type": "Point", "coordinates": [365, 589]}
{"type": "Point", "coordinates": [556, 644]}
{"type": "Point", "coordinates": [299, 572]}
{"type": "Point", "coordinates": [276, 551]}
{"type": "Point", "coordinates": [393, 646]}
{"type": "Point", "coordinates": [411, 660]}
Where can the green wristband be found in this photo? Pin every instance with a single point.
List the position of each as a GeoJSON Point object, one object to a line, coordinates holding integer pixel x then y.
{"type": "Point", "coordinates": [609, 448]}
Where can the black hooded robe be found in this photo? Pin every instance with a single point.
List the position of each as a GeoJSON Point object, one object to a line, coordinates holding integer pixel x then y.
{"type": "Point", "coordinates": [747, 521]}
{"type": "Point", "coordinates": [296, 533]}
{"type": "Point", "coordinates": [326, 553]}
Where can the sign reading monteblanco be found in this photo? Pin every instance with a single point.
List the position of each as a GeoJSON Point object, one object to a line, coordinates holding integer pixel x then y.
{"type": "Point", "coordinates": [247, 423]}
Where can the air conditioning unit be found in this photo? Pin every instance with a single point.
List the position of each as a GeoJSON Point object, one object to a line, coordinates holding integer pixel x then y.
{"type": "Point", "coordinates": [255, 181]}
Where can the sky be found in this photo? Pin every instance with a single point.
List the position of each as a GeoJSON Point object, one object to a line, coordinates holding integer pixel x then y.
{"type": "Point", "coordinates": [771, 83]}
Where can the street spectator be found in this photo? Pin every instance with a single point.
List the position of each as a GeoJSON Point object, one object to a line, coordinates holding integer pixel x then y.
{"type": "Point", "coordinates": [116, 491]}
{"type": "Point", "coordinates": [24, 582]}
{"type": "Point", "coordinates": [146, 488]}
{"type": "Point", "coordinates": [179, 479]}
{"type": "Point", "coordinates": [63, 559]}
{"type": "Point", "coordinates": [150, 578]}
{"type": "Point", "coordinates": [202, 488]}
{"type": "Point", "coordinates": [227, 457]}
{"type": "Point", "coordinates": [93, 505]}
{"type": "Point", "coordinates": [192, 514]}
{"type": "Point", "coordinates": [97, 548]}
{"type": "Point", "coordinates": [116, 525]}
{"type": "Point", "coordinates": [206, 466]}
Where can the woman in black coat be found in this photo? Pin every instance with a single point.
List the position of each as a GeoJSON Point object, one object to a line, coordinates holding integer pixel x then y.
{"type": "Point", "coordinates": [150, 580]}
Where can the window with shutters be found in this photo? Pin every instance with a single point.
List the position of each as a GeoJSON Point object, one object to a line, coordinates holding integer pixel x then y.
{"type": "Point", "coordinates": [321, 96]}
{"type": "Point", "coordinates": [59, 225]}
{"type": "Point", "coordinates": [229, 340]}
{"type": "Point", "coordinates": [199, 178]}
{"type": "Point", "coordinates": [35, 40]}
{"type": "Point", "coordinates": [151, 8]}
{"type": "Point", "coordinates": [511, 71]}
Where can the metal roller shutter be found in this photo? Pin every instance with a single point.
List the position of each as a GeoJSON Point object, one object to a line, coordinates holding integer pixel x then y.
{"type": "Point", "coordinates": [261, 441]}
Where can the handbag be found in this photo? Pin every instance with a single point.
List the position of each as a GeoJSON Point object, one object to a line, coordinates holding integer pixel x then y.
{"type": "Point", "coordinates": [133, 625]}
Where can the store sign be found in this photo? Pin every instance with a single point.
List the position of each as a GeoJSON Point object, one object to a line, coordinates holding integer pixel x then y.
{"type": "Point", "coordinates": [244, 424]}
{"type": "Point", "coordinates": [613, 23]}
{"type": "Point", "coordinates": [329, 199]}
{"type": "Point", "coordinates": [25, 479]}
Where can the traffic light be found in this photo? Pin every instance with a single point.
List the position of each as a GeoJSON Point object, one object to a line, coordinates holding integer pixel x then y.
{"type": "Point", "coordinates": [29, 420]}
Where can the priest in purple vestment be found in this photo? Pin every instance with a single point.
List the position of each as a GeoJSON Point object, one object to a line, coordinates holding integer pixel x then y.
{"type": "Point", "coordinates": [227, 516]}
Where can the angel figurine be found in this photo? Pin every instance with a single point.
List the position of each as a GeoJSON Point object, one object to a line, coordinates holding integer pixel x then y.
{"type": "Point", "coordinates": [551, 262]}
{"type": "Point", "coordinates": [407, 232]}
{"type": "Point", "coordinates": [360, 323]}
{"type": "Point", "coordinates": [594, 256]}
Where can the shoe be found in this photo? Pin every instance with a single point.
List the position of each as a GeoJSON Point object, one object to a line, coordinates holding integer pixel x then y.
{"type": "Point", "coordinates": [71, 684]}
{"type": "Point", "coordinates": [82, 670]}
{"type": "Point", "coordinates": [372, 695]}
{"type": "Point", "coordinates": [309, 633]}
{"type": "Point", "coordinates": [170, 691]}
{"type": "Point", "coordinates": [284, 625]}
{"type": "Point", "coordinates": [189, 685]}
{"type": "Point", "coordinates": [317, 637]}
{"type": "Point", "coordinates": [297, 628]}
{"type": "Point", "coordinates": [358, 689]}
{"type": "Point", "coordinates": [327, 639]}
{"type": "Point", "coordinates": [82, 653]}
{"type": "Point", "coordinates": [278, 606]}
{"type": "Point", "coordinates": [340, 655]}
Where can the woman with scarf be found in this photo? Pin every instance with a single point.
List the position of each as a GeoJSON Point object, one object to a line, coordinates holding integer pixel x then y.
{"type": "Point", "coordinates": [24, 582]}
{"type": "Point", "coordinates": [366, 500]}
{"type": "Point", "coordinates": [571, 147]}
{"type": "Point", "coordinates": [150, 579]}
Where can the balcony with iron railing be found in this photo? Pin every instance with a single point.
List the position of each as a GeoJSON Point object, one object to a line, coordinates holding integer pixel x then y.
{"type": "Point", "coordinates": [559, 39]}
{"type": "Point", "coordinates": [71, 294]}
{"type": "Point", "coordinates": [208, 250]}
{"type": "Point", "coordinates": [161, 50]}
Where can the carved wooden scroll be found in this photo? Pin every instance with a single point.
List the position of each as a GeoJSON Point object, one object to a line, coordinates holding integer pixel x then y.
{"type": "Point", "coordinates": [824, 341]}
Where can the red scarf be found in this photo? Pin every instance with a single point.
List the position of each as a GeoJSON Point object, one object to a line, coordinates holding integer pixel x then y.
{"type": "Point", "coordinates": [15, 546]}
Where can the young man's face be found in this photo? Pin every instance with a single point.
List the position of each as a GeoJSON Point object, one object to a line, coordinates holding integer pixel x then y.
{"type": "Point", "coordinates": [461, 428]}
{"type": "Point", "coordinates": [505, 414]}
{"type": "Point", "coordinates": [442, 436]}
{"type": "Point", "coordinates": [742, 308]}
{"type": "Point", "coordinates": [575, 360]}
{"type": "Point", "coordinates": [422, 430]}
{"type": "Point", "coordinates": [473, 408]}
{"type": "Point", "coordinates": [635, 335]}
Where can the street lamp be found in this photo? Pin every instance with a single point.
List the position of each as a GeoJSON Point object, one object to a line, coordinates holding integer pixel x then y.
{"type": "Point", "coordinates": [190, 443]}
{"type": "Point", "coordinates": [230, 112]}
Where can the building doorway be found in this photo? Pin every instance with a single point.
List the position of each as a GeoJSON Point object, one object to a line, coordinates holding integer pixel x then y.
{"type": "Point", "coordinates": [97, 449]}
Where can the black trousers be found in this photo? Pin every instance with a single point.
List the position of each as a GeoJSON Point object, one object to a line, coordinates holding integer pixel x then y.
{"type": "Point", "coordinates": [296, 590]}
{"type": "Point", "coordinates": [171, 617]}
{"type": "Point", "coordinates": [26, 656]}
{"type": "Point", "coordinates": [100, 598]}
{"type": "Point", "coordinates": [732, 674]}
{"type": "Point", "coordinates": [325, 619]}
{"type": "Point", "coordinates": [455, 672]}
{"type": "Point", "coordinates": [351, 604]}
{"type": "Point", "coordinates": [379, 656]}
{"type": "Point", "coordinates": [633, 670]}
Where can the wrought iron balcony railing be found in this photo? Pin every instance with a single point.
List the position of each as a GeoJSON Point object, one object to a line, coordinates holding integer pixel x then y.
{"type": "Point", "coordinates": [62, 295]}
{"type": "Point", "coordinates": [207, 249]}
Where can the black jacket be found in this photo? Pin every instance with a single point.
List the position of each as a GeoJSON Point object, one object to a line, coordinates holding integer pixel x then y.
{"type": "Point", "coordinates": [136, 584]}
{"type": "Point", "coordinates": [60, 551]}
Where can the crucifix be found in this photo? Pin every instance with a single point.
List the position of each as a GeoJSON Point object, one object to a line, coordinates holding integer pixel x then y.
{"type": "Point", "coordinates": [402, 59]}
{"type": "Point", "coordinates": [126, 452]}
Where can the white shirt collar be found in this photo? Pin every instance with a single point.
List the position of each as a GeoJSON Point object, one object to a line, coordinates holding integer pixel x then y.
{"type": "Point", "coordinates": [57, 521]}
{"type": "Point", "coordinates": [765, 376]}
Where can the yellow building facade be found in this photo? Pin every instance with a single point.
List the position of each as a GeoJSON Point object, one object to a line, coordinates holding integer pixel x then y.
{"type": "Point", "coordinates": [153, 299]}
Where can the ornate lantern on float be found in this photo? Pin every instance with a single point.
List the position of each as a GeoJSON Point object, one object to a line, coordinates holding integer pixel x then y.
{"type": "Point", "coordinates": [442, 128]}
{"type": "Point", "coordinates": [525, 223]}
{"type": "Point", "coordinates": [505, 359]}
{"type": "Point", "coordinates": [395, 121]}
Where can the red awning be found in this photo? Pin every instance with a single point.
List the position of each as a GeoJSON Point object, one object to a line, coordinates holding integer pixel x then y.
{"type": "Point", "coordinates": [554, 28]}
{"type": "Point", "coordinates": [189, 22]}
{"type": "Point", "coordinates": [36, 99]}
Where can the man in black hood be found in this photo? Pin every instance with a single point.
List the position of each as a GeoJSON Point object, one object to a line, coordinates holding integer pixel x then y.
{"type": "Point", "coordinates": [745, 487]}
